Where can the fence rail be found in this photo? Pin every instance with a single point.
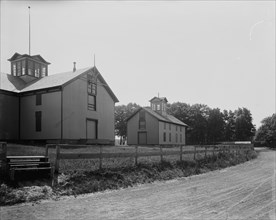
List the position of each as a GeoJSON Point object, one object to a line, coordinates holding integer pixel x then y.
{"type": "Point", "coordinates": [160, 151]}
{"type": "Point", "coordinates": [201, 149]}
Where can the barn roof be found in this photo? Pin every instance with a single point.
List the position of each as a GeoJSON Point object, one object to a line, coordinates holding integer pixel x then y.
{"type": "Point", "coordinates": [17, 56]}
{"type": "Point", "coordinates": [17, 85]}
{"type": "Point", "coordinates": [168, 118]}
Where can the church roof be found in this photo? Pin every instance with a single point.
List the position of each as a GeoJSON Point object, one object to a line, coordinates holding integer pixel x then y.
{"type": "Point", "coordinates": [17, 85]}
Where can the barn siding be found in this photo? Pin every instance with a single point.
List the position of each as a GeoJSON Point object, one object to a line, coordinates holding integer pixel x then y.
{"type": "Point", "coordinates": [75, 111]}
{"type": "Point", "coordinates": [9, 116]}
{"type": "Point", "coordinates": [51, 116]}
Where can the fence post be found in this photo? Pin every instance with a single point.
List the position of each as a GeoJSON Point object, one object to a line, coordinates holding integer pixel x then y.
{"type": "Point", "coordinates": [3, 157]}
{"type": "Point", "coordinates": [136, 155]}
{"type": "Point", "coordinates": [101, 152]}
{"type": "Point", "coordinates": [195, 153]}
{"type": "Point", "coordinates": [161, 153]}
{"type": "Point", "coordinates": [46, 150]}
{"type": "Point", "coordinates": [57, 159]}
{"type": "Point", "coordinates": [213, 150]}
{"type": "Point", "coordinates": [181, 152]}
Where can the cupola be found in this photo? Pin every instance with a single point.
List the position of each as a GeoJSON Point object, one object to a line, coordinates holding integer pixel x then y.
{"type": "Point", "coordinates": [28, 67]}
{"type": "Point", "coordinates": [159, 105]}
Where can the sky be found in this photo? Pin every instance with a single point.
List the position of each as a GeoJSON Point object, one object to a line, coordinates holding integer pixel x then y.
{"type": "Point", "coordinates": [218, 53]}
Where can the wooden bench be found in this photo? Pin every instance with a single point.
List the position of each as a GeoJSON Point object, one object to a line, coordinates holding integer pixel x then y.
{"type": "Point", "coordinates": [38, 165]}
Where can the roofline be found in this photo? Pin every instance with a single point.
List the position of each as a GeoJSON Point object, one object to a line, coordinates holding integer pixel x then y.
{"type": "Point", "coordinates": [106, 86]}
{"type": "Point", "coordinates": [136, 111]}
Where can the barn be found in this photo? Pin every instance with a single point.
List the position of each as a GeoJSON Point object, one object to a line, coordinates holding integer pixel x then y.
{"type": "Point", "coordinates": [77, 105]}
{"type": "Point", "coordinates": [154, 126]}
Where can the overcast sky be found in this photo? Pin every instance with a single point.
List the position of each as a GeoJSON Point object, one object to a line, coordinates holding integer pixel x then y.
{"type": "Point", "coordinates": [217, 53]}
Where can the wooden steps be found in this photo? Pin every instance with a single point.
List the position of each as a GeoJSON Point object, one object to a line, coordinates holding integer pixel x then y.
{"type": "Point", "coordinates": [22, 167]}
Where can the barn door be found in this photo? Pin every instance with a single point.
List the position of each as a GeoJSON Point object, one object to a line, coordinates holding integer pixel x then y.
{"type": "Point", "coordinates": [91, 129]}
{"type": "Point", "coordinates": [142, 138]}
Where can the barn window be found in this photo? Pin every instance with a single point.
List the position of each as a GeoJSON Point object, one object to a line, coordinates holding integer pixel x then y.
{"type": "Point", "coordinates": [38, 99]}
{"type": "Point", "coordinates": [176, 138]}
{"type": "Point", "coordinates": [38, 116]}
{"type": "Point", "coordinates": [164, 137]}
{"type": "Point", "coordinates": [142, 120]}
{"type": "Point", "coordinates": [170, 137]}
{"type": "Point", "coordinates": [180, 138]}
{"type": "Point", "coordinates": [92, 91]}
{"type": "Point", "coordinates": [91, 85]}
{"type": "Point", "coordinates": [91, 102]}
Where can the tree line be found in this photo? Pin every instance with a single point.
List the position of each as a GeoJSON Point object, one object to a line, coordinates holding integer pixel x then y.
{"type": "Point", "coordinates": [267, 131]}
{"type": "Point", "coordinates": [205, 125]}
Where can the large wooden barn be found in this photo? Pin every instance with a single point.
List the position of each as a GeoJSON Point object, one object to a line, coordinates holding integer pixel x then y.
{"type": "Point", "coordinates": [154, 126]}
{"type": "Point", "coordinates": [75, 105]}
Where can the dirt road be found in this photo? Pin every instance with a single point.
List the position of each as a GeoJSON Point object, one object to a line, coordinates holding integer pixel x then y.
{"type": "Point", "coordinates": [246, 191]}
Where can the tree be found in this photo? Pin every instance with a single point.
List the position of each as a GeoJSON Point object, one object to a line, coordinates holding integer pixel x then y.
{"type": "Point", "coordinates": [267, 131]}
{"type": "Point", "coordinates": [215, 126]}
{"type": "Point", "coordinates": [122, 112]}
{"type": "Point", "coordinates": [244, 129]}
{"type": "Point", "coordinates": [229, 125]}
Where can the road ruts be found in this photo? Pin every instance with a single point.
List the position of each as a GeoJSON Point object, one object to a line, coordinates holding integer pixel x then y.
{"type": "Point", "coordinates": [245, 191]}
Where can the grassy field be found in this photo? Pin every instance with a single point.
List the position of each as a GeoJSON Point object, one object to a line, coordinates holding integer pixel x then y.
{"type": "Point", "coordinates": [93, 164]}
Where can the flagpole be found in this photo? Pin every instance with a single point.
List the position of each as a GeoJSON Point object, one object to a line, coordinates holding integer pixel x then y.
{"type": "Point", "coordinates": [29, 30]}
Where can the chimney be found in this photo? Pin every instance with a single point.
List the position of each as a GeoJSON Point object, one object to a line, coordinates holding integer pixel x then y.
{"type": "Point", "coordinates": [74, 69]}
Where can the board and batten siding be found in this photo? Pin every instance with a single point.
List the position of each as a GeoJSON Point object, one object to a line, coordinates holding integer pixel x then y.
{"type": "Point", "coordinates": [9, 116]}
{"type": "Point", "coordinates": [173, 133]}
{"type": "Point", "coordinates": [76, 113]}
{"type": "Point", "coordinates": [51, 116]}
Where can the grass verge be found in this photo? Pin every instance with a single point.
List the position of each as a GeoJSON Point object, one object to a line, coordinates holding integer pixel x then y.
{"type": "Point", "coordinates": [81, 182]}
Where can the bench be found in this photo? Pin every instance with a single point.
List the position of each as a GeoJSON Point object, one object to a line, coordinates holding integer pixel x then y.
{"type": "Point", "coordinates": [28, 166]}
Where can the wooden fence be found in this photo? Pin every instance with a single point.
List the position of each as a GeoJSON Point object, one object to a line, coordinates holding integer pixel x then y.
{"type": "Point", "coordinates": [204, 149]}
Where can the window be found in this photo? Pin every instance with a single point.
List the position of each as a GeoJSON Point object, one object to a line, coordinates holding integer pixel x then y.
{"type": "Point", "coordinates": [142, 120]}
{"type": "Point", "coordinates": [170, 137]}
{"type": "Point", "coordinates": [176, 138]}
{"type": "Point", "coordinates": [176, 127]}
{"type": "Point", "coordinates": [38, 120]}
{"type": "Point", "coordinates": [180, 138]}
{"type": "Point", "coordinates": [170, 127]}
{"type": "Point", "coordinates": [164, 125]}
{"type": "Point", "coordinates": [180, 128]}
{"type": "Point", "coordinates": [43, 71]}
{"type": "Point", "coordinates": [38, 99]}
{"type": "Point", "coordinates": [18, 67]}
{"type": "Point", "coordinates": [91, 102]}
{"type": "Point", "coordinates": [14, 69]}
{"type": "Point", "coordinates": [92, 85]}
{"type": "Point", "coordinates": [92, 92]}
{"type": "Point", "coordinates": [37, 70]}
{"type": "Point", "coordinates": [30, 68]}
{"type": "Point", "coordinates": [158, 107]}
{"type": "Point", "coordinates": [23, 67]}
{"type": "Point", "coordinates": [142, 125]}
{"type": "Point", "coordinates": [164, 136]}
{"type": "Point", "coordinates": [153, 107]}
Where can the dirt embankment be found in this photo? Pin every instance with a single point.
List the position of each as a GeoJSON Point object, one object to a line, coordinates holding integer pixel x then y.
{"type": "Point", "coordinates": [245, 191]}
